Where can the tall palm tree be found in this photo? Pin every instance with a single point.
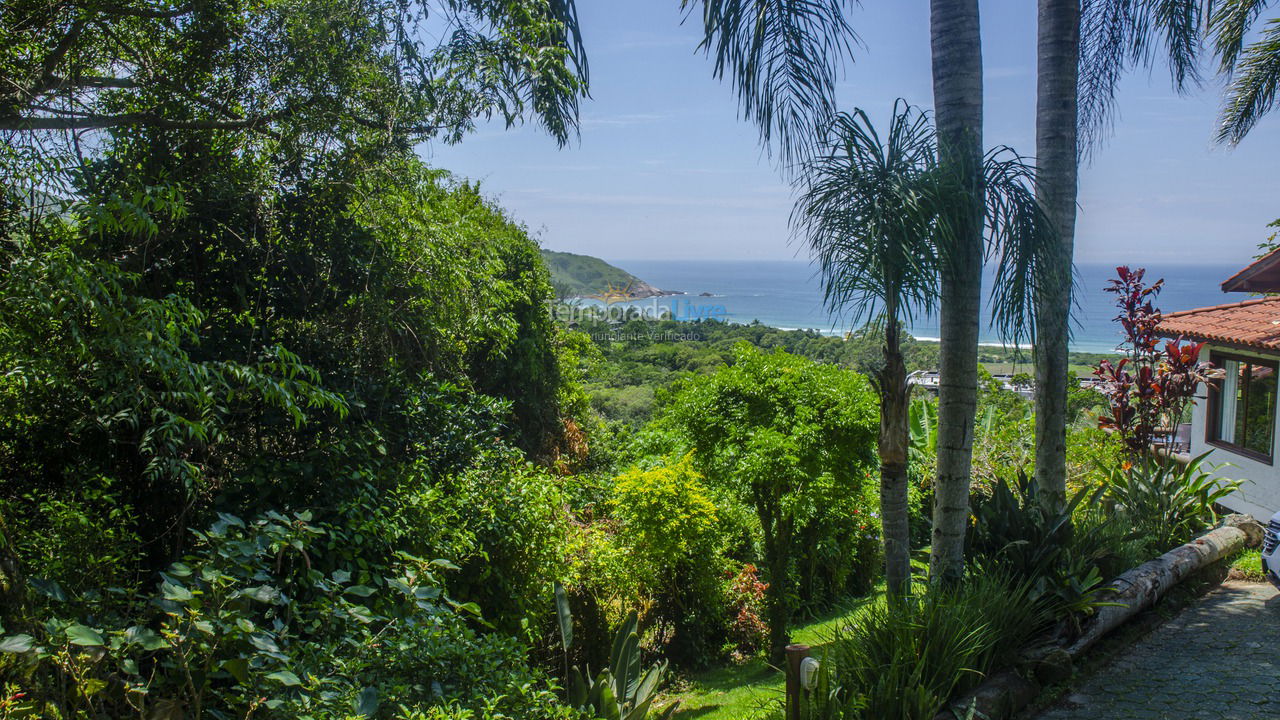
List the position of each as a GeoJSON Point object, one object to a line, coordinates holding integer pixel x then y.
{"type": "Point", "coordinates": [1084, 47]}
{"type": "Point", "coordinates": [783, 57]}
{"type": "Point", "coordinates": [1057, 168]}
{"type": "Point", "coordinates": [866, 210]}
{"type": "Point", "coordinates": [877, 216]}
{"type": "Point", "coordinates": [956, 45]}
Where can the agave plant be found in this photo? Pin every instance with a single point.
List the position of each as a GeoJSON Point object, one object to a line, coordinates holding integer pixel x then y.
{"type": "Point", "coordinates": [622, 691]}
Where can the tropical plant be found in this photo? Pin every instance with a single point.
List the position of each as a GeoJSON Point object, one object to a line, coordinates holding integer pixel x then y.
{"type": "Point", "coordinates": [624, 690]}
{"type": "Point", "coordinates": [867, 212]}
{"type": "Point", "coordinates": [877, 216]}
{"type": "Point", "coordinates": [1153, 386]}
{"type": "Point", "coordinates": [1015, 532]}
{"type": "Point", "coordinates": [1252, 66]}
{"type": "Point", "coordinates": [1166, 501]}
{"type": "Point", "coordinates": [923, 423]}
{"type": "Point", "coordinates": [905, 657]}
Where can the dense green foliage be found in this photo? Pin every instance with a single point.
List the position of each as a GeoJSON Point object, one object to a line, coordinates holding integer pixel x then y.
{"type": "Point", "coordinates": [792, 441]}
{"type": "Point", "coordinates": [150, 396]}
{"type": "Point", "coordinates": [904, 658]}
{"type": "Point", "coordinates": [259, 365]}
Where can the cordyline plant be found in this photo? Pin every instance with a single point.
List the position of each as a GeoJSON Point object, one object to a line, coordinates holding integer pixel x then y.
{"type": "Point", "coordinates": [1154, 384]}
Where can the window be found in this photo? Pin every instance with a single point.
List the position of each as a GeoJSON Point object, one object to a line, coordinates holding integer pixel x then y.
{"type": "Point", "coordinates": [1242, 408]}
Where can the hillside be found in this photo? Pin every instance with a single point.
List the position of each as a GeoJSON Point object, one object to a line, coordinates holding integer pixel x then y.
{"type": "Point", "coordinates": [581, 275]}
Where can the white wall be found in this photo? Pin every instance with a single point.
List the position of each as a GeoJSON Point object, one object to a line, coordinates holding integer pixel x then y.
{"type": "Point", "coordinates": [1259, 495]}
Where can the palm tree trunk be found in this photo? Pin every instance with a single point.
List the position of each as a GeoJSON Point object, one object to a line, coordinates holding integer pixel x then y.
{"type": "Point", "coordinates": [1057, 165]}
{"type": "Point", "coordinates": [894, 438]}
{"type": "Point", "coordinates": [957, 98]}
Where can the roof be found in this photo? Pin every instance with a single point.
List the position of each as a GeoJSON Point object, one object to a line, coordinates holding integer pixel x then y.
{"type": "Point", "coordinates": [1253, 323]}
{"type": "Point", "coordinates": [1262, 276]}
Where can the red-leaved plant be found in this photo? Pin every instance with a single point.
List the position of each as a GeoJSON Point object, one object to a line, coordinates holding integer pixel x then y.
{"type": "Point", "coordinates": [748, 632]}
{"type": "Point", "coordinates": [1152, 387]}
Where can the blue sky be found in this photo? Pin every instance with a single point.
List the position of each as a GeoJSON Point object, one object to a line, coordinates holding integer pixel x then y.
{"type": "Point", "coordinates": [665, 169]}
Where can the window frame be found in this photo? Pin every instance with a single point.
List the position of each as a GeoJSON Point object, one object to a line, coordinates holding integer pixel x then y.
{"type": "Point", "coordinates": [1214, 410]}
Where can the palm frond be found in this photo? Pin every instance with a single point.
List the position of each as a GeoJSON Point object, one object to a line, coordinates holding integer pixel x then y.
{"type": "Point", "coordinates": [865, 209]}
{"type": "Point", "coordinates": [1020, 240]}
{"type": "Point", "coordinates": [1229, 22]}
{"type": "Point", "coordinates": [1118, 35]}
{"type": "Point", "coordinates": [783, 57]}
{"type": "Point", "coordinates": [1252, 92]}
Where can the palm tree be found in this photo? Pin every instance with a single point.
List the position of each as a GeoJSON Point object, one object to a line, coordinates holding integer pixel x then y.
{"type": "Point", "coordinates": [1057, 167]}
{"type": "Point", "coordinates": [1084, 48]}
{"type": "Point", "coordinates": [867, 211]}
{"type": "Point", "coordinates": [877, 216]}
{"type": "Point", "coordinates": [783, 57]}
{"type": "Point", "coordinates": [957, 97]}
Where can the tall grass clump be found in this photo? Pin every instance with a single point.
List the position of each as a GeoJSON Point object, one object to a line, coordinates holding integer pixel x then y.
{"type": "Point", "coordinates": [903, 659]}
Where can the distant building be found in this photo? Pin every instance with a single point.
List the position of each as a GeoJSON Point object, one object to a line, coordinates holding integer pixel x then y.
{"type": "Point", "coordinates": [1236, 417]}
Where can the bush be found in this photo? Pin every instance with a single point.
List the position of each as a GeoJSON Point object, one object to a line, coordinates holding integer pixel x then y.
{"type": "Point", "coordinates": [782, 436]}
{"type": "Point", "coordinates": [258, 620]}
{"type": "Point", "coordinates": [670, 532]}
{"type": "Point", "coordinates": [1063, 566]}
{"type": "Point", "coordinates": [1166, 502]}
{"type": "Point", "coordinates": [502, 520]}
{"type": "Point", "coordinates": [748, 634]}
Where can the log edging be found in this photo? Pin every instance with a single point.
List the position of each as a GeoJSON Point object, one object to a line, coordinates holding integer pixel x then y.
{"type": "Point", "coordinates": [1007, 692]}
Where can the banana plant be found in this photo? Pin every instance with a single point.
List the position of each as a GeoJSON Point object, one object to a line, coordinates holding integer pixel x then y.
{"type": "Point", "coordinates": [621, 691]}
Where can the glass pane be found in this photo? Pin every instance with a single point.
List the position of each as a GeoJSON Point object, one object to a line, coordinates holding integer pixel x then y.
{"type": "Point", "coordinates": [1239, 432]}
{"type": "Point", "coordinates": [1228, 394]}
{"type": "Point", "coordinates": [1261, 409]}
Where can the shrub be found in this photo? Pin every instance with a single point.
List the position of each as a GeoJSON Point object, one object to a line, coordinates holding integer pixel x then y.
{"type": "Point", "coordinates": [1013, 534]}
{"type": "Point", "coordinates": [1166, 502]}
{"type": "Point", "coordinates": [780, 435]}
{"type": "Point", "coordinates": [838, 552]}
{"type": "Point", "coordinates": [250, 623]}
{"type": "Point", "coordinates": [747, 632]}
{"type": "Point", "coordinates": [502, 520]}
{"type": "Point", "coordinates": [671, 534]}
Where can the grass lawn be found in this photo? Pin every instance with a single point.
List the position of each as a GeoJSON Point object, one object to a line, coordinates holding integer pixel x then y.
{"type": "Point", "coordinates": [741, 692]}
{"type": "Point", "coordinates": [738, 692]}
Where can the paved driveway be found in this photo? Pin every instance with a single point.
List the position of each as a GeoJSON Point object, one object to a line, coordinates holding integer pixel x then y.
{"type": "Point", "coordinates": [1216, 660]}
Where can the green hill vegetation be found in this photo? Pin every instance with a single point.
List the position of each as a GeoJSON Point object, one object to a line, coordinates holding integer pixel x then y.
{"type": "Point", "coordinates": [573, 274]}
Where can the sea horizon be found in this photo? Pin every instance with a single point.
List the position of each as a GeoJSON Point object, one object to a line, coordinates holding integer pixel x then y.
{"type": "Point", "coordinates": [787, 294]}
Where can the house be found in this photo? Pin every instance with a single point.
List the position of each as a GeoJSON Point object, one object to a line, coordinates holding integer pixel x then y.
{"type": "Point", "coordinates": [1236, 416]}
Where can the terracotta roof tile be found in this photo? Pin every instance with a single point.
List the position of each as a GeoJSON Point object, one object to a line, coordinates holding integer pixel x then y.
{"type": "Point", "coordinates": [1252, 323]}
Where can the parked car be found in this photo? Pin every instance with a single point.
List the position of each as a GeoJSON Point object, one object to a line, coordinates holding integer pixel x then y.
{"type": "Point", "coordinates": [1271, 550]}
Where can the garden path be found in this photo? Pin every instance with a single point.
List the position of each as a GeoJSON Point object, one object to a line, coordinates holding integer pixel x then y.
{"type": "Point", "coordinates": [1216, 660]}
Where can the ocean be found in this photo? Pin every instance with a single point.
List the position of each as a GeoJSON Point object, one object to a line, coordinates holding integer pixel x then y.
{"type": "Point", "coordinates": [788, 294]}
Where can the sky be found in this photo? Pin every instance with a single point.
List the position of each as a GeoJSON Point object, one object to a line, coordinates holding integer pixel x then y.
{"type": "Point", "coordinates": [665, 169]}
